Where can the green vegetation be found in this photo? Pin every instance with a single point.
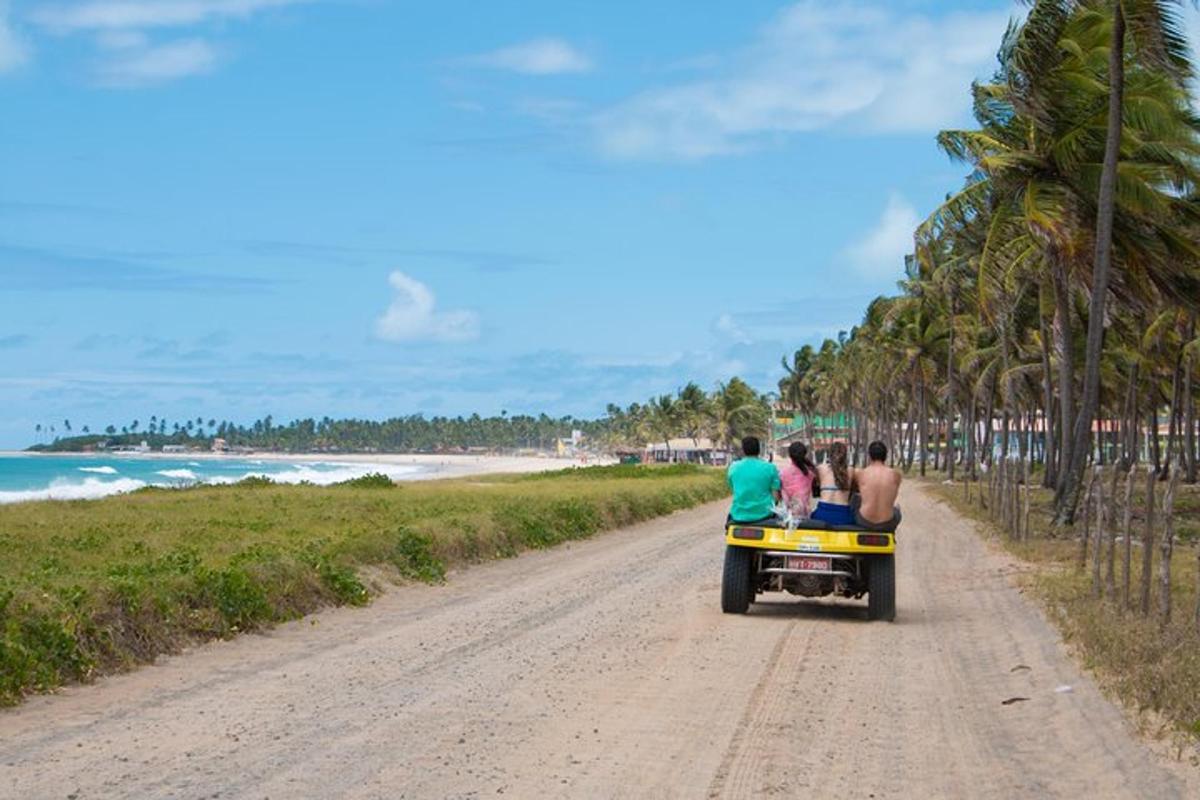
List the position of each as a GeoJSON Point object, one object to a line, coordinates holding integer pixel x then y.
{"type": "Point", "coordinates": [730, 411]}
{"type": "Point", "coordinates": [98, 586]}
{"type": "Point", "coordinates": [1050, 305]}
{"type": "Point", "coordinates": [1146, 660]}
{"type": "Point", "coordinates": [372, 480]}
{"type": "Point", "coordinates": [413, 433]}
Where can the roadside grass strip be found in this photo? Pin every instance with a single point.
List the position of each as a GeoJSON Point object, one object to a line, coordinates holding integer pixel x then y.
{"type": "Point", "coordinates": [99, 586]}
{"type": "Point", "coordinates": [1151, 665]}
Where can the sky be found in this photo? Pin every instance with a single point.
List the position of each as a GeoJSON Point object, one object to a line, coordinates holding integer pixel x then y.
{"type": "Point", "coordinates": [370, 208]}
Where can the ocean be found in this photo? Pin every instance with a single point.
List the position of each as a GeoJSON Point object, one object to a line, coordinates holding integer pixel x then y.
{"type": "Point", "coordinates": [53, 477]}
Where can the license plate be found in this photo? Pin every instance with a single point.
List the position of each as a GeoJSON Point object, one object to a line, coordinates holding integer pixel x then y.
{"type": "Point", "coordinates": [806, 562]}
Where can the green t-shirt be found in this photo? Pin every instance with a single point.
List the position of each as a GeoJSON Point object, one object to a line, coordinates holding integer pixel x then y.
{"type": "Point", "coordinates": [752, 481]}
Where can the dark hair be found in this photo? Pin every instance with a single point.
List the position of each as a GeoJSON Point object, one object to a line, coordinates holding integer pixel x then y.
{"type": "Point", "coordinates": [837, 462]}
{"type": "Point", "coordinates": [798, 453]}
{"type": "Point", "coordinates": [877, 451]}
{"type": "Point", "coordinates": [750, 446]}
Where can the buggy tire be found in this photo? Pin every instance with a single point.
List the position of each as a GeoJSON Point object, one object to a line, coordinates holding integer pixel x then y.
{"type": "Point", "coordinates": [881, 588]}
{"type": "Point", "coordinates": [737, 581]}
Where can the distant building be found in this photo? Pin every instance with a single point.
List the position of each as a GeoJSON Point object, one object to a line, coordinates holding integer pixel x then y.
{"type": "Point", "coordinates": [691, 451]}
{"type": "Point", "coordinates": [175, 448]}
{"type": "Point", "coordinates": [219, 445]}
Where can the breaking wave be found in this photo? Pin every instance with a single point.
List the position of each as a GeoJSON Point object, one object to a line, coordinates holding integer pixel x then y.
{"type": "Point", "coordinates": [301, 473]}
{"type": "Point", "coordinates": [178, 474]}
{"type": "Point", "coordinates": [89, 489]}
{"type": "Point", "coordinates": [136, 474]}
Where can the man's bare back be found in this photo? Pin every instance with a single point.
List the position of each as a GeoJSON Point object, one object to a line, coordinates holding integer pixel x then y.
{"type": "Point", "coordinates": [878, 484]}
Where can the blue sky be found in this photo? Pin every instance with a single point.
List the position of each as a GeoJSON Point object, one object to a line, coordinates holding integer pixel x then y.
{"type": "Point", "coordinates": [229, 208]}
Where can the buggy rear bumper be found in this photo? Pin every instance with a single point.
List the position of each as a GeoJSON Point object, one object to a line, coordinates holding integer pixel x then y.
{"type": "Point", "coordinates": [843, 540]}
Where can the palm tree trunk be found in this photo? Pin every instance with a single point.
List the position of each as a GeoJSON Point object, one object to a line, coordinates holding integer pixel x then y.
{"type": "Point", "coordinates": [1066, 373]}
{"type": "Point", "coordinates": [936, 442]}
{"type": "Point", "coordinates": [989, 450]}
{"type": "Point", "coordinates": [1110, 541]}
{"type": "Point", "coordinates": [1101, 271]}
{"type": "Point", "coordinates": [1049, 479]}
{"type": "Point", "coordinates": [924, 423]}
{"type": "Point", "coordinates": [950, 408]}
{"type": "Point", "coordinates": [1168, 546]}
{"type": "Point", "coordinates": [969, 438]}
{"type": "Point", "coordinates": [1129, 419]}
{"type": "Point", "coordinates": [1148, 542]}
{"type": "Point", "coordinates": [1155, 446]}
{"type": "Point", "coordinates": [1127, 533]}
{"type": "Point", "coordinates": [1173, 419]}
{"type": "Point", "coordinates": [1189, 411]}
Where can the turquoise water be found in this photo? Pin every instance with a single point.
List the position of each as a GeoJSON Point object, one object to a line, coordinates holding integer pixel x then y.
{"type": "Point", "coordinates": [30, 477]}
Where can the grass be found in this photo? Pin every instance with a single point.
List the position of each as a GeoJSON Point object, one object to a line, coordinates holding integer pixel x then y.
{"type": "Point", "coordinates": [99, 586]}
{"type": "Point", "coordinates": [1150, 666]}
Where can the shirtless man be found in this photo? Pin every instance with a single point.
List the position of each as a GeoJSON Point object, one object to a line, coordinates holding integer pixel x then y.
{"type": "Point", "coordinates": [877, 484]}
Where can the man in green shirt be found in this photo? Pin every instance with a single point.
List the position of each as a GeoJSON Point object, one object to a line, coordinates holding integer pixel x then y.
{"type": "Point", "coordinates": [755, 485]}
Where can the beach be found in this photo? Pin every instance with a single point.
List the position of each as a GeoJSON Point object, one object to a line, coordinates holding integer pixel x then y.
{"type": "Point", "coordinates": [28, 477]}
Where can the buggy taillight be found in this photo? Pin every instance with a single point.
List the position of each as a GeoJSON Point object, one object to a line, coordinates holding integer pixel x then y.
{"type": "Point", "coordinates": [748, 533]}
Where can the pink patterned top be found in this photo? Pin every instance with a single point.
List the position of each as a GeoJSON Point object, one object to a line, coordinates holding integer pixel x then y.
{"type": "Point", "coordinates": [797, 488]}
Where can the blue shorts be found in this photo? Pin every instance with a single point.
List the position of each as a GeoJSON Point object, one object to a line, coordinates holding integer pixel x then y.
{"type": "Point", "coordinates": [833, 513]}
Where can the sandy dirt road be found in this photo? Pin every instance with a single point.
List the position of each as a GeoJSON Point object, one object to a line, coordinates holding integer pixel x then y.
{"type": "Point", "coordinates": [605, 669]}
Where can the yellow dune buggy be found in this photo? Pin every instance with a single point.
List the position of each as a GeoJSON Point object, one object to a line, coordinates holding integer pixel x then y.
{"type": "Point", "coordinates": [811, 560]}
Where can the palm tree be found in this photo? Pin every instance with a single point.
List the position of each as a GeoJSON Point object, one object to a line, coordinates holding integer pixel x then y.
{"type": "Point", "coordinates": [665, 416]}
{"type": "Point", "coordinates": [1160, 41]}
{"type": "Point", "coordinates": [692, 405]}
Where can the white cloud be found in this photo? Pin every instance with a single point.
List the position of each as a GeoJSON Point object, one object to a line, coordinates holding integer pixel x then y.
{"type": "Point", "coordinates": [120, 30]}
{"type": "Point", "coordinates": [880, 253]}
{"type": "Point", "coordinates": [728, 328]}
{"type": "Point", "coordinates": [121, 40]}
{"type": "Point", "coordinates": [145, 65]}
{"type": "Point", "coordinates": [548, 56]}
{"type": "Point", "coordinates": [140, 14]}
{"type": "Point", "coordinates": [860, 64]}
{"type": "Point", "coordinates": [413, 316]}
{"type": "Point", "coordinates": [13, 50]}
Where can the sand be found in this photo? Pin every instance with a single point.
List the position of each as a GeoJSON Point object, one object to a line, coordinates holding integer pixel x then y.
{"type": "Point", "coordinates": [605, 669]}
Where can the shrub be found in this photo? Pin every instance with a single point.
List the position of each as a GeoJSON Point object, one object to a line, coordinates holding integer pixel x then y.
{"type": "Point", "coordinates": [372, 480]}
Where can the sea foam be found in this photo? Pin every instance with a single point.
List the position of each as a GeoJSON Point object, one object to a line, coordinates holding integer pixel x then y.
{"type": "Point", "coordinates": [100, 470]}
{"type": "Point", "coordinates": [178, 474]}
{"type": "Point", "coordinates": [91, 488]}
{"type": "Point", "coordinates": [302, 473]}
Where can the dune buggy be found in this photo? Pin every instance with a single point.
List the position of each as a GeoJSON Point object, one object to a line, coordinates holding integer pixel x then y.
{"type": "Point", "coordinates": [811, 559]}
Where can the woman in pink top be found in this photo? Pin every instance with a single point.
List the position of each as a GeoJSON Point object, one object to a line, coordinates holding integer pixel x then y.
{"type": "Point", "coordinates": [797, 479]}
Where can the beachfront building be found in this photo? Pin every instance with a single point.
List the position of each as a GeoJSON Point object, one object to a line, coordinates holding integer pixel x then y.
{"type": "Point", "coordinates": [818, 431]}
{"type": "Point", "coordinates": [685, 451]}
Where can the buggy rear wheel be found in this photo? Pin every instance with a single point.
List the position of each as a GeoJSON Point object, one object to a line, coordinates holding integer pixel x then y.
{"type": "Point", "coordinates": [881, 588]}
{"type": "Point", "coordinates": [737, 581]}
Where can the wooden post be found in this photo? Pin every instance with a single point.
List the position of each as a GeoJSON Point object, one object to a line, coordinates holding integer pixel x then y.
{"type": "Point", "coordinates": [1168, 545]}
{"type": "Point", "coordinates": [1196, 614]}
{"type": "Point", "coordinates": [1086, 533]}
{"type": "Point", "coordinates": [1025, 511]}
{"type": "Point", "coordinates": [1148, 539]}
{"type": "Point", "coordinates": [1127, 532]}
{"type": "Point", "coordinates": [1016, 504]}
{"type": "Point", "coordinates": [1101, 521]}
{"type": "Point", "coordinates": [1110, 553]}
